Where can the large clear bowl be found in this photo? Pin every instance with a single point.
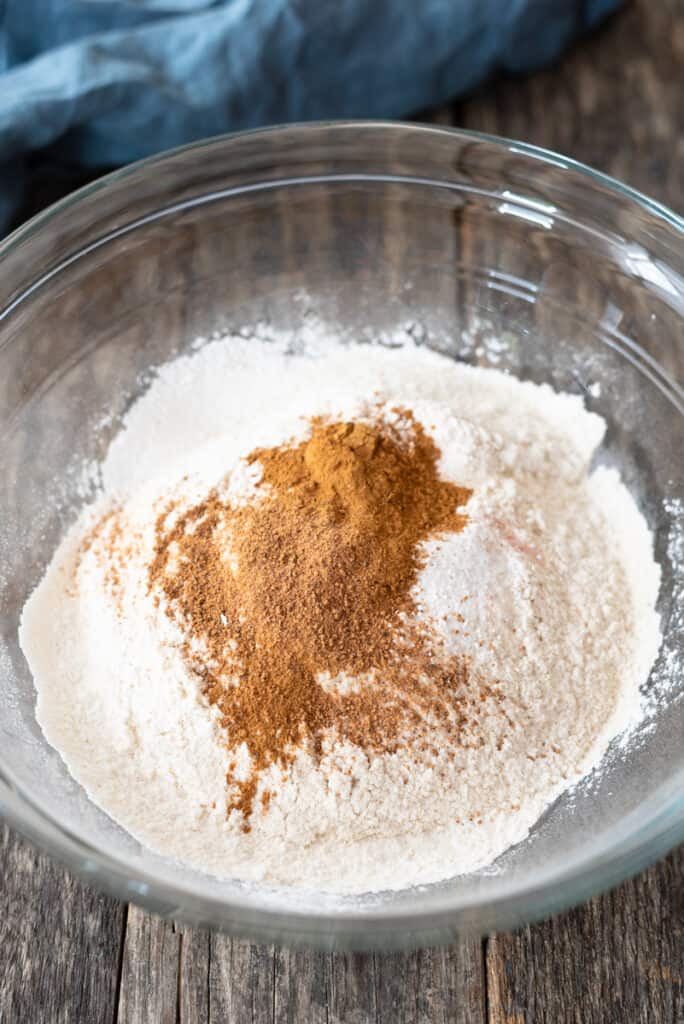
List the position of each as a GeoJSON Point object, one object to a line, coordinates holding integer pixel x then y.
{"type": "Point", "coordinates": [492, 251]}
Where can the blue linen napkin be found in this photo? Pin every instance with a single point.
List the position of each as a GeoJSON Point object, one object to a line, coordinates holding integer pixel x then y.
{"type": "Point", "coordinates": [103, 82]}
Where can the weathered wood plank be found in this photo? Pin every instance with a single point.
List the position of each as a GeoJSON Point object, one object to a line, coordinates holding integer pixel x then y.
{"type": "Point", "coordinates": [301, 987]}
{"type": "Point", "coordinates": [241, 982]}
{"type": "Point", "coordinates": [59, 941]}
{"type": "Point", "coordinates": [432, 985]}
{"type": "Point", "coordinates": [193, 982]}
{"type": "Point", "coordinates": [352, 988]}
{"type": "Point", "coordinates": [618, 959]}
{"type": "Point", "coordinates": [149, 971]}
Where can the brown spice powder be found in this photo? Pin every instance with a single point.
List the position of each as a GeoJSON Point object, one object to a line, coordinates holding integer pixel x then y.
{"type": "Point", "coordinates": [314, 579]}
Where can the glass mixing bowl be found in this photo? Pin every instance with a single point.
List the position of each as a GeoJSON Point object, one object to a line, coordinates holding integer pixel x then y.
{"type": "Point", "coordinates": [492, 251]}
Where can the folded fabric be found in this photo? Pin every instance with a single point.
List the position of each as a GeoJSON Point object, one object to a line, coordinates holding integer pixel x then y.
{"type": "Point", "coordinates": [102, 82]}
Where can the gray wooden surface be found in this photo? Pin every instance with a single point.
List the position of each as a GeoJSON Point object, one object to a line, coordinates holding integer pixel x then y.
{"type": "Point", "coordinates": [70, 954]}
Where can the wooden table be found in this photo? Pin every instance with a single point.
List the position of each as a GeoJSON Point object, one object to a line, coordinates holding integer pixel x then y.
{"type": "Point", "coordinates": [69, 954]}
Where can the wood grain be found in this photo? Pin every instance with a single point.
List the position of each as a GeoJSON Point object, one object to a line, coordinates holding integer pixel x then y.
{"type": "Point", "coordinates": [69, 954]}
{"type": "Point", "coordinates": [60, 941]}
{"type": "Point", "coordinates": [194, 976]}
{"type": "Point", "coordinates": [302, 985]}
{"type": "Point", "coordinates": [619, 958]}
{"type": "Point", "coordinates": [149, 970]}
{"type": "Point", "coordinates": [241, 981]}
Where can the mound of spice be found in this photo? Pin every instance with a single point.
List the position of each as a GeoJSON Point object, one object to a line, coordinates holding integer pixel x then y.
{"type": "Point", "coordinates": [301, 600]}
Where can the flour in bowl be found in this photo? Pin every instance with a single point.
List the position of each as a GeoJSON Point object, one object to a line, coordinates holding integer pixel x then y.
{"type": "Point", "coordinates": [348, 618]}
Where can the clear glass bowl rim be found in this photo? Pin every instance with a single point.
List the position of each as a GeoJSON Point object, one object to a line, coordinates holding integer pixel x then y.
{"type": "Point", "coordinates": [634, 846]}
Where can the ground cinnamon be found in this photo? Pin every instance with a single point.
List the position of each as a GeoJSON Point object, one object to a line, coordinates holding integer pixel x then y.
{"type": "Point", "coordinates": [312, 582]}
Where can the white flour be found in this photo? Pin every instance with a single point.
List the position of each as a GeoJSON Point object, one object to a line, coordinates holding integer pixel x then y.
{"type": "Point", "coordinates": [550, 589]}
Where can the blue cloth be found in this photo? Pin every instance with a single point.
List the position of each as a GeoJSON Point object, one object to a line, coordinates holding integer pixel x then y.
{"type": "Point", "coordinates": [103, 82]}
